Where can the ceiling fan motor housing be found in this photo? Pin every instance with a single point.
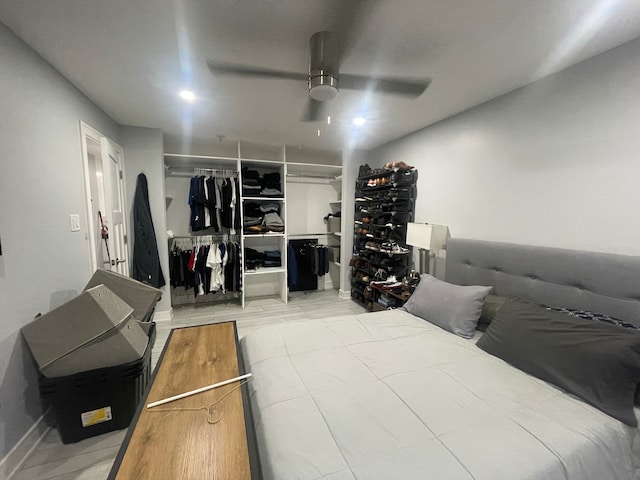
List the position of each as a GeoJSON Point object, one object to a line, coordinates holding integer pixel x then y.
{"type": "Point", "coordinates": [323, 67]}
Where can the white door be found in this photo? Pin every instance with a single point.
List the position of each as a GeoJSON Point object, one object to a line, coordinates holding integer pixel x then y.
{"type": "Point", "coordinates": [105, 195]}
{"type": "Point", "coordinates": [113, 216]}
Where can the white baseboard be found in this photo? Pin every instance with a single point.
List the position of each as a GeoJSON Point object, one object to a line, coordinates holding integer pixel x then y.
{"type": "Point", "coordinates": [165, 316]}
{"type": "Point", "coordinates": [14, 460]}
{"type": "Point", "coordinates": [344, 294]}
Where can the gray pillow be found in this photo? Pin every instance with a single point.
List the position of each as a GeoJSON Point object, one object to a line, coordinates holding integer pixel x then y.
{"type": "Point", "coordinates": [599, 362]}
{"type": "Point", "coordinates": [455, 308]}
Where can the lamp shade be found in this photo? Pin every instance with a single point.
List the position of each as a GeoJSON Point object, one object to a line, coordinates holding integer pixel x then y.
{"type": "Point", "coordinates": [427, 236]}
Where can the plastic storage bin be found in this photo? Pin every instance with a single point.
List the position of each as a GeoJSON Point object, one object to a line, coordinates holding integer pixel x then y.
{"type": "Point", "coordinates": [94, 330]}
{"type": "Point", "coordinates": [98, 401]}
{"type": "Point", "coordinates": [140, 296]}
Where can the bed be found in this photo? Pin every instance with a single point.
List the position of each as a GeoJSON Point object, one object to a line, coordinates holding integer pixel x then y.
{"type": "Point", "coordinates": [389, 395]}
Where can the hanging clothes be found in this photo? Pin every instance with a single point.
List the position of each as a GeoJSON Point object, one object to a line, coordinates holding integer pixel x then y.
{"type": "Point", "coordinates": [214, 203]}
{"type": "Point", "coordinates": [145, 266]}
{"type": "Point", "coordinates": [197, 201]}
{"type": "Point", "coordinates": [206, 267]}
{"type": "Point", "coordinates": [292, 266]}
{"type": "Point", "coordinates": [211, 203]}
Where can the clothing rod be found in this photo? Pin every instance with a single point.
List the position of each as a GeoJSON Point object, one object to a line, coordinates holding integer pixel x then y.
{"type": "Point", "coordinates": [192, 174]}
{"type": "Point", "coordinates": [202, 171]}
{"type": "Point", "coordinates": [218, 234]}
{"type": "Point", "coordinates": [206, 171]}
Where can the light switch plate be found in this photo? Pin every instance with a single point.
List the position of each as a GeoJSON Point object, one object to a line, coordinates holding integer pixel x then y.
{"type": "Point", "coordinates": [74, 219]}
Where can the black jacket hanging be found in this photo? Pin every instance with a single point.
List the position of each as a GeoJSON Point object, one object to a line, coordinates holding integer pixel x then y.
{"type": "Point", "coordinates": [146, 262]}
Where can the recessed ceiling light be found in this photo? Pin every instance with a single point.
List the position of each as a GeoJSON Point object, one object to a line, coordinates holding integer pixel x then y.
{"type": "Point", "coordinates": [359, 121]}
{"type": "Point", "coordinates": [329, 120]}
{"type": "Point", "coordinates": [187, 95]}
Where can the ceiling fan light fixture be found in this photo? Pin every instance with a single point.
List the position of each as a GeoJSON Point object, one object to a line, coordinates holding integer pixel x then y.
{"type": "Point", "coordinates": [359, 121]}
{"type": "Point", "coordinates": [187, 95]}
{"type": "Point", "coordinates": [323, 86]}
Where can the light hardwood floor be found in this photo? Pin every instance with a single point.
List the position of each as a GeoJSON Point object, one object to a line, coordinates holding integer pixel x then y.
{"type": "Point", "coordinates": [91, 459]}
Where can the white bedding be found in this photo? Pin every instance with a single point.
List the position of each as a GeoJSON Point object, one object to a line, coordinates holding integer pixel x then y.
{"type": "Point", "coordinates": [387, 395]}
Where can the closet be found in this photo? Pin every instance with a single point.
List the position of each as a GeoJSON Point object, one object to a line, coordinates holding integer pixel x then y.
{"type": "Point", "coordinates": [280, 193]}
{"type": "Point", "coordinates": [314, 189]}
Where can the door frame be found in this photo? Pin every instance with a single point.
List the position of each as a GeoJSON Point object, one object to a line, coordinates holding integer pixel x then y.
{"type": "Point", "coordinates": [88, 132]}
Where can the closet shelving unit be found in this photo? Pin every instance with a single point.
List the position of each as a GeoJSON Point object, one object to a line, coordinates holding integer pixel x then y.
{"type": "Point", "coordinates": [294, 164]}
{"type": "Point", "coordinates": [262, 281]}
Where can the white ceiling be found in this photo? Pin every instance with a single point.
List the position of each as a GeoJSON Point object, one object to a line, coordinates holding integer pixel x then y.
{"type": "Point", "coordinates": [131, 57]}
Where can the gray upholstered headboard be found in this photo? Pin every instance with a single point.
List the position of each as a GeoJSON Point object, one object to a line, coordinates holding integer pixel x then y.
{"type": "Point", "coordinates": [598, 282]}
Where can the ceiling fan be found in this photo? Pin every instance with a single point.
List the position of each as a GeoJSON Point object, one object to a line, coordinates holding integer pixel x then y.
{"type": "Point", "coordinates": [323, 78]}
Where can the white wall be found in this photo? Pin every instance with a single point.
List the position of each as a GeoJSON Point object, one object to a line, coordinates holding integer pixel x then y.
{"type": "Point", "coordinates": [352, 159]}
{"type": "Point", "coordinates": [555, 163]}
{"type": "Point", "coordinates": [43, 264]}
{"type": "Point", "coordinates": [144, 153]}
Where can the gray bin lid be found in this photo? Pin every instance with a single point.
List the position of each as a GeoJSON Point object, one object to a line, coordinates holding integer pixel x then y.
{"type": "Point", "coordinates": [141, 297]}
{"type": "Point", "coordinates": [93, 330]}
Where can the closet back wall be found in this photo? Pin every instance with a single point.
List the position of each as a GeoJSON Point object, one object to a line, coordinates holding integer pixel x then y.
{"type": "Point", "coordinates": [178, 211]}
{"type": "Point", "coordinates": [43, 263]}
{"type": "Point", "coordinates": [307, 205]}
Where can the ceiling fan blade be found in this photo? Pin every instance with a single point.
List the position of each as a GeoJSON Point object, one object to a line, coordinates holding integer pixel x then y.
{"type": "Point", "coordinates": [257, 72]}
{"type": "Point", "coordinates": [313, 110]}
{"type": "Point", "coordinates": [348, 19]}
{"type": "Point", "coordinates": [407, 87]}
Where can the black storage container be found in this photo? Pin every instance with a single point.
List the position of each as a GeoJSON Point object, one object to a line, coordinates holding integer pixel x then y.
{"type": "Point", "coordinates": [98, 401]}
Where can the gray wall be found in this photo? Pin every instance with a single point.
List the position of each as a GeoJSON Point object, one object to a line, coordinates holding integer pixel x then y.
{"type": "Point", "coordinates": [143, 153]}
{"type": "Point", "coordinates": [554, 164]}
{"type": "Point", "coordinates": [43, 263]}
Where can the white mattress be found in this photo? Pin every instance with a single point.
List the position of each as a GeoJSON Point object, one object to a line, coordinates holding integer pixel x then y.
{"type": "Point", "coordinates": [387, 395]}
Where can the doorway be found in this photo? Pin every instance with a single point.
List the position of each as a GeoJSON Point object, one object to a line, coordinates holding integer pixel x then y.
{"type": "Point", "coordinates": [105, 200]}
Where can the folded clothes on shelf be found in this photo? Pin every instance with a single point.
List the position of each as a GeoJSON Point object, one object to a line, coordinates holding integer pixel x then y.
{"type": "Point", "coordinates": [273, 222]}
{"type": "Point", "coordinates": [272, 258]}
{"type": "Point", "coordinates": [252, 258]}
{"type": "Point", "coordinates": [271, 192]}
{"type": "Point", "coordinates": [270, 206]}
{"type": "Point", "coordinates": [250, 221]}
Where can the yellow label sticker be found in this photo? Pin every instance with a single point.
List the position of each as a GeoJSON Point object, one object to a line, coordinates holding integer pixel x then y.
{"type": "Point", "coordinates": [96, 416]}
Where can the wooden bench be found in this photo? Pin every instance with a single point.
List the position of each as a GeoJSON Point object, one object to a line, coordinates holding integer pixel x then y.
{"type": "Point", "coordinates": [175, 440]}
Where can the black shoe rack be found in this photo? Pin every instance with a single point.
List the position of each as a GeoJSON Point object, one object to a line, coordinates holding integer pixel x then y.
{"type": "Point", "coordinates": [384, 204]}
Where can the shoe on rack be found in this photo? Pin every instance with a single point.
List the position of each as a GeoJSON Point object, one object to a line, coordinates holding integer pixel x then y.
{"type": "Point", "coordinates": [398, 250]}
{"type": "Point", "coordinates": [371, 182]}
{"type": "Point", "coordinates": [372, 246]}
{"type": "Point", "coordinates": [401, 166]}
{"type": "Point", "coordinates": [386, 247]}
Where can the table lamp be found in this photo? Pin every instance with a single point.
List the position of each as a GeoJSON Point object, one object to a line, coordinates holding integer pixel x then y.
{"type": "Point", "coordinates": [426, 237]}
